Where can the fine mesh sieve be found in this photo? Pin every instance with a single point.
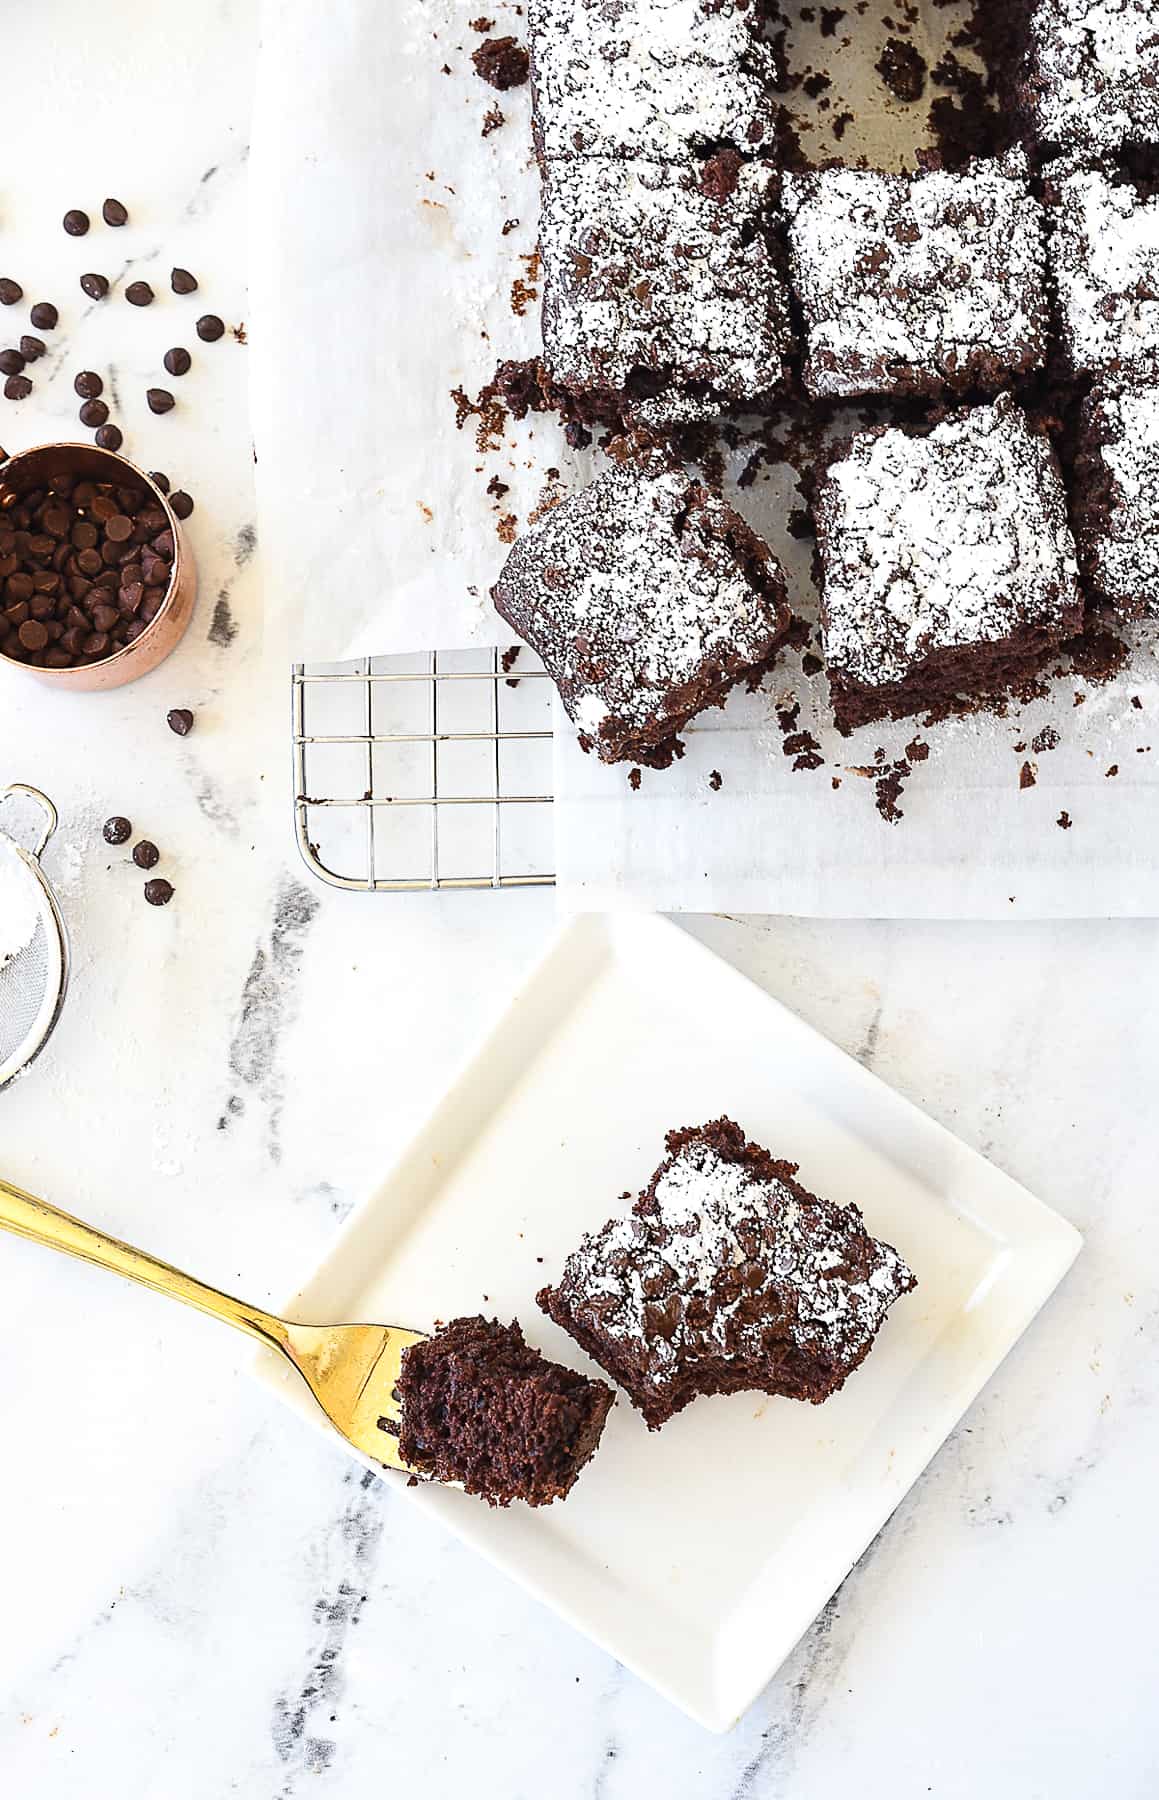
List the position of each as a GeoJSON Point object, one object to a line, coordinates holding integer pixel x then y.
{"type": "Point", "coordinates": [33, 940]}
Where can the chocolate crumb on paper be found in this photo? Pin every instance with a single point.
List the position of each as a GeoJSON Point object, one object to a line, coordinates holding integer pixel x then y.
{"type": "Point", "coordinates": [1064, 821]}
{"type": "Point", "coordinates": [1027, 776]}
{"type": "Point", "coordinates": [501, 62]}
{"type": "Point", "coordinates": [715, 781]}
{"type": "Point", "coordinates": [635, 776]}
{"type": "Point", "coordinates": [902, 68]}
{"type": "Point", "coordinates": [493, 118]}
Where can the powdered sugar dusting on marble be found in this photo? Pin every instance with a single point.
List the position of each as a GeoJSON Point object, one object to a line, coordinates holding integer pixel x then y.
{"type": "Point", "coordinates": [1094, 72]}
{"type": "Point", "coordinates": [755, 1250]}
{"type": "Point", "coordinates": [644, 271]}
{"type": "Point", "coordinates": [21, 904]}
{"type": "Point", "coordinates": [898, 274]}
{"type": "Point", "coordinates": [652, 78]}
{"type": "Point", "coordinates": [942, 541]}
{"type": "Point", "coordinates": [1104, 255]}
{"type": "Point", "coordinates": [625, 589]}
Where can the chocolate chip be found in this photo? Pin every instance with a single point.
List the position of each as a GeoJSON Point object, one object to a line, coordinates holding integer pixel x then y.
{"type": "Point", "coordinates": [178, 361]}
{"type": "Point", "coordinates": [32, 635]}
{"type": "Point", "coordinates": [31, 348]}
{"type": "Point", "coordinates": [44, 315]}
{"type": "Point", "coordinates": [93, 413]}
{"type": "Point", "coordinates": [210, 328]}
{"type": "Point", "coordinates": [117, 830]}
{"type": "Point", "coordinates": [146, 855]}
{"type": "Point", "coordinates": [139, 293]}
{"type": "Point", "coordinates": [181, 503]}
{"type": "Point", "coordinates": [158, 892]}
{"type": "Point", "coordinates": [17, 387]}
{"type": "Point", "coordinates": [180, 720]}
{"type": "Point", "coordinates": [110, 437]}
{"type": "Point", "coordinates": [88, 385]}
{"type": "Point", "coordinates": [114, 213]}
{"type": "Point", "coordinates": [160, 400]}
{"type": "Point", "coordinates": [119, 529]}
{"type": "Point", "coordinates": [182, 282]}
{"type": "Point", "coordinates": [11, 362]}
{"type": "Point", "coordinates": [75, 222]}
{"type": "Point", "coordinates": [159, 480]}
{"type": "Point", "coordinates": [95, 286]}
{"type": "Point", "coordinates": [10, 292]}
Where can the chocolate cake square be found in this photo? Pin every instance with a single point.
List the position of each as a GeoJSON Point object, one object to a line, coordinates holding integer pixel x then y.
{"type": "Point", "coordinates": [1115, 498]}
{"type": "Point", "coordinates": [948, 568]}
{"type": "Point", "coordinates": [479, 1406]}
{"type": "Point", "coordinates": [653, 78]}
{"type": "Point", "coordinates": [918, 284]}
{"type": "Point", "coordinates": [1104, 260]}
{"type": "Point", "coordinates": [727, 1275]}
{"type": "Point", "coordinates": [662, 298]}
{"type": "Point", "coordinates": [647, 598]}
{"type": "Point", "coordinates": [1087, 73]}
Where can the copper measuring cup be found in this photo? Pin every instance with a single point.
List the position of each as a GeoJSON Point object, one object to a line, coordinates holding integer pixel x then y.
{"type": "Point", "coordinates": [30, 469]}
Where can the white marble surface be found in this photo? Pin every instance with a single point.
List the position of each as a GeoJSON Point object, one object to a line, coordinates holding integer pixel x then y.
{"type": "Point", "coordinates": [201, 1600]}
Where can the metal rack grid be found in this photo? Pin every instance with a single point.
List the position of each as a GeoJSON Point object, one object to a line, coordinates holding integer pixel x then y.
{"type": "Point", "coordinates": [425, 772]}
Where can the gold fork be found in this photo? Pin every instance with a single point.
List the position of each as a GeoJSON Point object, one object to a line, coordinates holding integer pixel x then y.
{"type": "Point", "coordinates": [351, 1370]}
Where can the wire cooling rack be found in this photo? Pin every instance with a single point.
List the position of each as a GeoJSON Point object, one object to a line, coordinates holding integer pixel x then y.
{"type": "Point", "coordinates": [425, 771]}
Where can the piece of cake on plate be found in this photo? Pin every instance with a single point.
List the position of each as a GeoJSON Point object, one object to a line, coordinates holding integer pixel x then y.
{"type": "Point", "coordinates": [727, 1274]}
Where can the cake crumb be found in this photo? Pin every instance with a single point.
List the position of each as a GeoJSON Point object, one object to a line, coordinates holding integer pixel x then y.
{"type": "Point", "coordinates": [1027, 777]}
{"type": "Point", "coordinates": [1049, 738]}
{"type": "Point", "coordinates": [1064, 821]}
{"type": "Point", "coordinates": [1113, 770]}
{"type": "Point", "coordinates": [505, 528]}
{"type": "Point", "coordinates": [902, 68]}
{"type": "Point", "coordinates": [715, 781]}
{"type": "Point", "coordinates": [501, 62]}
{"type": "Point", "coordinates": [635, 776]}
{"type": "Point", "coordinates": [492, 119]}
{"type": "Point", "coordinates": [917, 750]}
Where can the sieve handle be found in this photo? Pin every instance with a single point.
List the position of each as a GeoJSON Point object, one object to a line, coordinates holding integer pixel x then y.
{"type": "Point", "coordinates": [38, 799]}
{"type": "Point", "coordinates": [34, 1219]}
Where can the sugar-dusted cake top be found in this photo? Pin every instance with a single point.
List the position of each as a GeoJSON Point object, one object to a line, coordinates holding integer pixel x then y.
{"type": "Point", "coordinates": [1104, 256]}
{"type": "Point", "coordinates": [1092, 73]}
{"type": "Point", "coordinates": [1121, 541]}
{"type": "Point", "coordinates": [956, 537]}
{"type": "Point", "coordinates": [910, 282]}
{"type": "Point", "coordinates": [652, 283]}
{"type": "Point", "coordinates": [724, 1258]}
{"type": "Point", "coordinates": [654, 78]}
{"type": "Point", "coordinates": [626, 588]}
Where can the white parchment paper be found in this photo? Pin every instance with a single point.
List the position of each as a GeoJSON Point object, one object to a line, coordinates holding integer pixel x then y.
{"type": "Point", "coordinates": [384, 269]}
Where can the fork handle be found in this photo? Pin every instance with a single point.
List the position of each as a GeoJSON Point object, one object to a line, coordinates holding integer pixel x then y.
{"type": "Point", "coordinates": [28, 1217]}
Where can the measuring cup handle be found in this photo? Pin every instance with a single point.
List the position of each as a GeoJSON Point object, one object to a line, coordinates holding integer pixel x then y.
{"type": "Point", "coordinates": [45, 804]}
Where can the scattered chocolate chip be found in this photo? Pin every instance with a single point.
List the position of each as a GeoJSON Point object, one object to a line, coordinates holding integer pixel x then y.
{"type": "Point", "coordinates": [88, 385]}
{"type": "Point", "coordinates": [113, 212]}
{"type": "Point", "coordinates": [31, 348]}
{"type": "Point", "coordinates": [160, 400]}
{"type": "Point", "coordinates": [182, 503]}
{"type": "Point", "coordinates": [182, 282]}
{"type": "Point", "coordinates": [180, 720]}
{"type": "Point", "coordinates": [11, 362]}
{"type": "Point", "coordinates": [110, 437]}
{"type": "Point", "coordinates": [210, 328]}
{"type": "Point", "coordinates": [159, 480]}
{"type": "Point", "coordinates": [146, 854]}
{"type": "Point", "coordinates": [17, 387]}
{"type": "Point", "coordinates": [93, 413]}
{"type": "Point", "coordinates": [139, 293]}
{"type": "Point", "coordinates": [117, 830]}
{"type": "Point", "coordinates": [10, 292]}
{"type": "Point", "coordinates": [75, 222]}
{"type": "Point", "coordinates": [177, 361]}
{"type": "Point", "coordinates": [44, 316]}
{"type": "Point", "coordinates": [158, 892]}
{"type": "Point", "coordinates": [95, 286]}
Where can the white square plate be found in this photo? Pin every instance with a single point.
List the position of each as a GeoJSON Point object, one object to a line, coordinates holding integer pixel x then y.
{"type": "Point", "coordinates": [698, 1555]}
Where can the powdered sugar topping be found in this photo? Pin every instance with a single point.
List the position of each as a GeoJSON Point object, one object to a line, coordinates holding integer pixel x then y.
{"type": "Point", "coordinates": [625, 589]}
{"type": "Point", "coordinates": [943, 541]}
{"type": "Point", "coordinates": [653, 78]}
{"type": "Point", "coordinates": [1104, 254]}
{"type": "Point", "coordinates": [21, 905]}
{"type": "Point", "coordinates": [1094, 72]}
{"type": "Point", "coordinates": [644, 272]}
{"type": "Point", "coordinates": [925, 274]}
{"type": "Point", "coordinates": [727, 1257]}
{"type": "Point", "coordinates": [1126, 553]}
